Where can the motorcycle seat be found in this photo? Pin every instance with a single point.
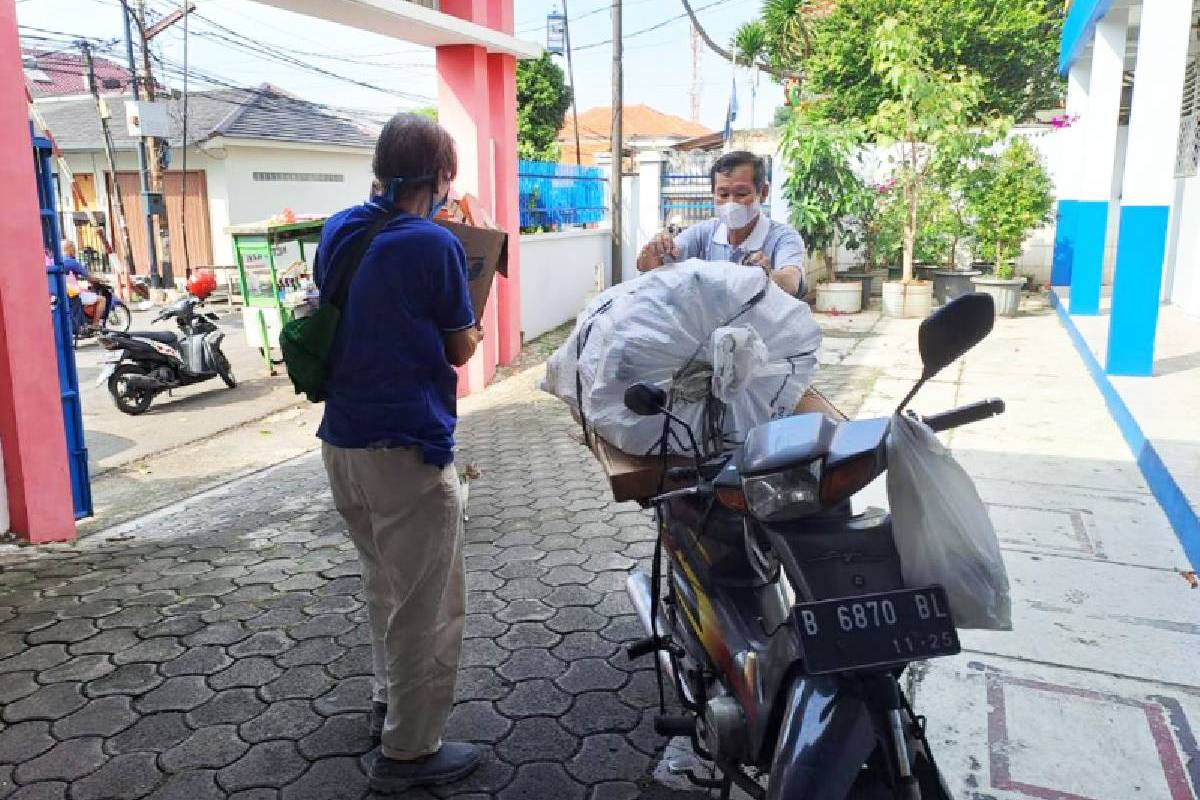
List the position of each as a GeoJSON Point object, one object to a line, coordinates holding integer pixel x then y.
{"type": "Point", "coordinates": [166, 337]}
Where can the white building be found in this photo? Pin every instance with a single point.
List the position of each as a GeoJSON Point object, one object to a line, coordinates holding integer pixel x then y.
{"type": "Point", "coordinates": [1127, 173]}
{"type": "Point", "coordinates": [250, 154]}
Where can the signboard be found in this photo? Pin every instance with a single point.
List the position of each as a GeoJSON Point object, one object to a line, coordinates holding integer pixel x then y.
{"type": "Point", "coordinates": [143, 118]}
{"type": "Point", "coordinates": [556, 32]}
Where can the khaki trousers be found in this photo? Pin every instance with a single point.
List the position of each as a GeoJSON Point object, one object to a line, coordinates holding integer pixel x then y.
{"type": "Point", "coordinates": [405, 518]}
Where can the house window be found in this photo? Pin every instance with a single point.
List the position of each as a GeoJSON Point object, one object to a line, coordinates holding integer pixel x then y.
{"type": "Point", "coordinates": [306, 177]}
{"type": "Point", "coordinates": [1187, 159]}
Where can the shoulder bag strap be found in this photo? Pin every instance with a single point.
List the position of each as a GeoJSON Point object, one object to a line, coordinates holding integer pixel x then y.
{"type": "Point", "coordinates": [354, 258]}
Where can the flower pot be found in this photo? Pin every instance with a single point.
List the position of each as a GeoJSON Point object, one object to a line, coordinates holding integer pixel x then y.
{"type": "Point", "coordinates": [867, 281]}
{"type": "Point", "coordinates": [912, 299]}
{"type": "Point", "coordinates": [1005, 291]}
{"type": "Point", "coordinates": [842, 298]}
{"type": "Point", "coordinates": [951, 283]}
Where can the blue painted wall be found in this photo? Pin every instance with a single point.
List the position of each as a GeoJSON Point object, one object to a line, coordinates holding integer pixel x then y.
{"type": "Point", "coordinates": [1137, 289]}
{"type": "Point", "coordinates": [1064, 243]}
{"type": "Point", "coordinates": [1078, 29]}
{"type": "Point", "coordinates": [1086, 240]}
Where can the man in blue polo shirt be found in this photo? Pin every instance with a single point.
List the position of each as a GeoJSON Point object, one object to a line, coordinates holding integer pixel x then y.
{"type": "Point", "coordinates": [740, 232]}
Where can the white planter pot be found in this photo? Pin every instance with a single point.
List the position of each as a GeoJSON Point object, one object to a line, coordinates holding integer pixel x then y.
{"type": "Point", "coordinates": [1006, 292]}
{"type": "Point", "coordinates": [842, 298]}
{"type": "Point", "coordinates": [913, 299]}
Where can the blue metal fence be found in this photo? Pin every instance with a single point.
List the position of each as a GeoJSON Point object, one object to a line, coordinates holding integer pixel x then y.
{"type": "Point", "coordinates": [64, 339]}
{"type": "Point", "coordinates": [558, 195]}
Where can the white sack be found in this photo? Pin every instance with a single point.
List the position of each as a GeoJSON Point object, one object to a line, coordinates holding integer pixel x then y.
{"type": "Point", "coordinates": [659, 328]}
{"type": "Point", "coordinates": [942, 529]}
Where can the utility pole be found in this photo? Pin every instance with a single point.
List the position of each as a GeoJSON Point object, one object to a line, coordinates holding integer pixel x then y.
{"type": "Point", "coordinates": [618, 142]}
{"type": "Point", "coordinates": [571, 78]}
{"type": "Point", "coordinates": [103, 113]}
{"type": "Point", "coordinates": [695, 87]}
{"type": "Point", "coordinates": [152, 145]}
{"type": "Point", "coordinates": [143, 175]}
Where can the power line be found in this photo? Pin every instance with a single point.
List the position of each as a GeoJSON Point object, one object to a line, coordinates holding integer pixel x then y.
{"type": "Point", "coordinates": [654, 27]}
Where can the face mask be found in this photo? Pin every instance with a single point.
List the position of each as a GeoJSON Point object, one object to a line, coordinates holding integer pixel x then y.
{"type": "Point", "coordinates": [738, 215]}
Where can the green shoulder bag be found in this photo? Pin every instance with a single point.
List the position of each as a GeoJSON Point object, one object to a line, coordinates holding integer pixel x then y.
{"type": "Point", "coordinates": [306, 342]}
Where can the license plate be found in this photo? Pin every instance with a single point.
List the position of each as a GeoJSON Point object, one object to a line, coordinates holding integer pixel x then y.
{"type": "Point", "coordinates": [875, 630]}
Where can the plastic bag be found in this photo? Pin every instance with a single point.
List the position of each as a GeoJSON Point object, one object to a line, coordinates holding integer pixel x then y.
{"type": "Point", "coordinates": [659, 328]}
{"type": "Point", "coordinates": [942, 529]}
{"type": "Point", "coordinates": [739, 355]}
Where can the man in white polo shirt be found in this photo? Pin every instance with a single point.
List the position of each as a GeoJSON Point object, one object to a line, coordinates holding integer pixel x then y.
{"type": "Point", "coordinates": [740, 232]}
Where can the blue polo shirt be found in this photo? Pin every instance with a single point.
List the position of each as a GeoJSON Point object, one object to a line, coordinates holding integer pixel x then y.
{"type": "Point", "coordinates": [389, 383]}
{"type": "Point", "coordinates": [71, 265]}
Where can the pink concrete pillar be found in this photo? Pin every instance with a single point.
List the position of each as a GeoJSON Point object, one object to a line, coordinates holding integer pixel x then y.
{"type": "Point", "coordinates": [464, 111]}
{"type": "Point", "coordinates": [502, 79]}
{"type": "Point", "coordinates": [31, 422]}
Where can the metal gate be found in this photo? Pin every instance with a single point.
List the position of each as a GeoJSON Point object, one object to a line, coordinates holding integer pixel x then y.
{"type": "Point", "coordinates": [64, 337]}
{"type": "Point", "coordinates": [687, 187]}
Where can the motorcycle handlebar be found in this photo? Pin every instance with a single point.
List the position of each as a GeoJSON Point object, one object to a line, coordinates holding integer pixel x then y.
{"type": "Point", "coordinates": [964, 415]}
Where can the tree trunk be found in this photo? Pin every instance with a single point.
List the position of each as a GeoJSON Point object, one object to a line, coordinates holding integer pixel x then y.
{"type": "Point", "coordinates": [910, 233]}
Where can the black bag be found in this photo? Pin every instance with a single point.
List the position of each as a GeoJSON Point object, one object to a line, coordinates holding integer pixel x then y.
{"type": "Point", "coordinates": [306, 342]}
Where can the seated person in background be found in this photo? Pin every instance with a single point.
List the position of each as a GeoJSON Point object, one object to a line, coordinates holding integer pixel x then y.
{"type": "Point", "coordinates": [72, 266]}
{"type": "Point", "coordinates": [740, 232]}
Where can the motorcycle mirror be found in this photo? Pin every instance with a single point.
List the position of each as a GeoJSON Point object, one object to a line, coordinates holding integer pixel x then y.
{"type": "Point", "coordinates": [645, 400]}
{"type": "Point", "coordinates": [952, 330]}
{"type": "Point", "coordinates": [948, 333]}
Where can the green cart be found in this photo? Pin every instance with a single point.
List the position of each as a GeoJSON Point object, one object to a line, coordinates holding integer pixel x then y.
{"type": "Point", "coordinates": [274, 273]}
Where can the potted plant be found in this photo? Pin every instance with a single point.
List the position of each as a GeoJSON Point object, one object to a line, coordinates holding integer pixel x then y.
{"type": "Point", "coordinates": [1011, 196]}
{"type": "Point", "coordinates": [822, 188]}
{"type": "Point", "coordinates": [924, 107]}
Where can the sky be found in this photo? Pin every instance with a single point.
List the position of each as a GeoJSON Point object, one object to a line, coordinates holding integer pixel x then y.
{"type": "Point", "coordinates": [658, 63]}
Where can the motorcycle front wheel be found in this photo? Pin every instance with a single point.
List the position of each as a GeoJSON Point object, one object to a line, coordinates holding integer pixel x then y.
{"type": "Point", "coordinates": [119, 318]}
{"type": "Point", "coordinates": [127, 399]}
{"type": "Point", "coordinates": [221, 363]}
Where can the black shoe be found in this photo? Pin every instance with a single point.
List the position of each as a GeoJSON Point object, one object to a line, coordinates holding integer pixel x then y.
{"type": "Point", "coordinates": [378, 715]}
{"type": "Point", "coordinates": [454, 761]}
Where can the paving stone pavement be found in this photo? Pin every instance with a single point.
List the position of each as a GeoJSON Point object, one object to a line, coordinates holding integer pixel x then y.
{"type": "Point", "coordinates": [218, 648]}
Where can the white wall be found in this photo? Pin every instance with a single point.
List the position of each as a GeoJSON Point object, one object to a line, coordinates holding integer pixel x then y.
{"type": "Point", "coordinates": [560, 272]}
{"type": "Point", "coordinates": [1184, 271]}
{"type": "Point", "coordinates": [251, 200]}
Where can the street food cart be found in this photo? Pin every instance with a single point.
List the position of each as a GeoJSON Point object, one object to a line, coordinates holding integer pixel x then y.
{"type": "Point", "coordinates": [275, 261]}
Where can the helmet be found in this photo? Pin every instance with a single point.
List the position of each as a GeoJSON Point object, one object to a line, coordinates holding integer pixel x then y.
{"type": "Point", "coordinates": [202, 283]}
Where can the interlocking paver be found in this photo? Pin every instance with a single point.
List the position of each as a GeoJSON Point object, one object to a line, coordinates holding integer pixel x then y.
{"type": "Point", "coordinates": [477, 721]}
{"type": "Point", "coordinates": [15, 685]}
{"type": "Point", "coordinates": [49, 702]}
{"type": "Point", "coordinates": [599, 712]}
{"type": "Point", "coordinates": [48, 790]}
{"type": "Point", "coordinates": [269, 764]}
{"type": "Point", "coordinates": [126, 777]}
{"type": "Point", "coordinates": [182, 693]}
{"type": "Point", "coordinates": [200, 660]}
{"type": "Point", "coordinates": [535, 781]}
{"type": "Point", "coordinates": [209, 748]}
{"type": "Point", "coordinates": [65, 761]}
{"type": "Point", "coordinates": [229, 706]}
{"type": "Point", "coordinates": [79, 668]}
{"type": "Point", "coordinates": [65, 632]}
{"type": "Point", "coordinates": [255, 671]}
{"type": "Point", "coordinates": [226, 633]}
{"type": "Point", "coordinates": [536, 739]}
{"type": "Point", "coordinates": [531, 663]}
{"type": "Point", "coordinates": [24, 741]}
{"type": "Point", "coordinates": [190, 785]}
{"type": "Point", "coordinates": [298, 682]}
{"type": "Point", "coordinates": [330, 779]}
{"type": "Point", "coordinates": [355, 661]}
{"type": "Point", "coordinates": [538, 697]}
{"type": "Point", "coordinates": [107, 716]}
{"type": "Point", "coordinates": [153, 733]}
{"type": "Point", "coordinates": [163, 648]}
{"type": "Point", "coordinates": [263, 643]}
{"type": "Point", "coordinates": [607, 757]}
{"type": "Point", "coordinates": [290, 719]}
{"type": "Point", "coordinates": [311, 651]}
{"type": "Point", "coordinates": [39, 657]}
{"type": "Point", "coordinates": [107, 643]}
{"type": "Point", "coordinates": [342, 735]}
{"type": "Point", "coordinates": [127, 679]}
{"type": "Point", "coordinates": [352, 694]}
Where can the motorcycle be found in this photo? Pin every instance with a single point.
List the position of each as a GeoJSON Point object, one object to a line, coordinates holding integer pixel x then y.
{"type": "Point", "coordinates": [150, 362]}
{"type": "Point", "coordinates": [782, 620]}
{"type": "Point", "coordinates": [116, 315]}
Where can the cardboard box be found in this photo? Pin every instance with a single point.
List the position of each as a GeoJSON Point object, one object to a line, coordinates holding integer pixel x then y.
{"type": "Point", "coordinates": [487, 254]}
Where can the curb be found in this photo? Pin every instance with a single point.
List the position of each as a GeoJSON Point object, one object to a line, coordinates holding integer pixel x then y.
{"type": "Point", "coordinates": [1162, 484]}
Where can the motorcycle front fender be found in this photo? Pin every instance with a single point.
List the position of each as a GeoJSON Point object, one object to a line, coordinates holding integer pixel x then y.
{"type": "Point", "coordinates": [825, 737]}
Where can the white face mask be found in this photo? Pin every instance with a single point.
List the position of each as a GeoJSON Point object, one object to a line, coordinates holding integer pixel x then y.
{"type": "Point", "coordinates": [738, 215]}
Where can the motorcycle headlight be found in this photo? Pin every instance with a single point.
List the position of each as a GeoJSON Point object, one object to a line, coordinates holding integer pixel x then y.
{"type": "Point", "coordinates": [784, 495]}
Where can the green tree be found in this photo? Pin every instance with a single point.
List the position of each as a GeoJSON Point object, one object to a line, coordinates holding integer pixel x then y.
{"type": "Point", "coordinates": [1011, 195]}
{"type": "Point", "coordinates": [427, 111]}
{"type": "Point", "coordinates": [920, 109]}
{"type": "Point", "coordinates": [823, 190]}
{"type": "Point", "coordinates": [542, 101]}
{"type": "Point", "coordinates": [1012, 45]}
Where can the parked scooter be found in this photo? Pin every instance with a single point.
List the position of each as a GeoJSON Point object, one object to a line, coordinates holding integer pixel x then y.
{"type": "Point", "coordinates": [150, 362]}
{"type": "Point", "coordinates": [782, 619]}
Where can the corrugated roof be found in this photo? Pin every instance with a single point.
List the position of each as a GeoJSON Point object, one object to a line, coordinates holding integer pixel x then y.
{"type": "Point", "coordinates": [638, 121]}
{"type": "Point", "coordinates": [265, 113]}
